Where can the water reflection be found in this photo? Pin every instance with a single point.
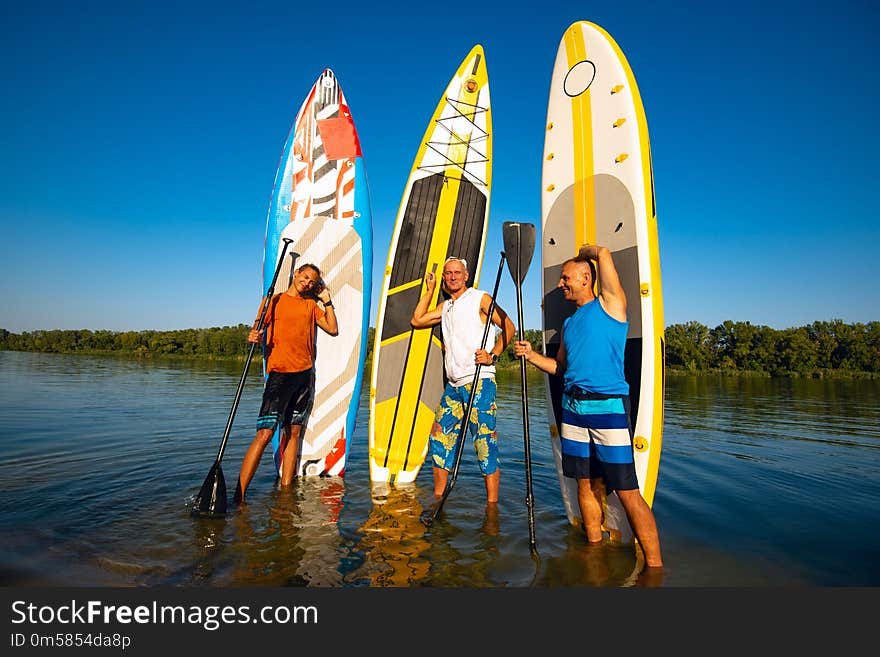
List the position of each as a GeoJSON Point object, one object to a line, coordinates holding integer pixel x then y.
{"type": "Point", "coordinates": [293, 540]}
{"type": "Point", "coordinates": [207, 540]}
{"type": "Point", "coordinates": [596, 565]}
{"type": "Point", "coordinates": [467, 547]}
{"type": "Point", "coordinates": [393, 539]}
{"type": "Point", "coordinates": [98, 456]}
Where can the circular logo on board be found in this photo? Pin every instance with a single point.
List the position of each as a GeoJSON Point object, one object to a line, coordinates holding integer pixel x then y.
{"type": "Point", "coordinates": [579, 78]}
{"type": "Point", "coordinates": [640, 444]}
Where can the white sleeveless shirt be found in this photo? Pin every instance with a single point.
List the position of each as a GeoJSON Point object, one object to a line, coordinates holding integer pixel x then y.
{"type": "Point", "coordinates": [462, 336]}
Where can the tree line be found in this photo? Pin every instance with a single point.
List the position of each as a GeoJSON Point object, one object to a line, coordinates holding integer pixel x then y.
{"type": "Point", "coordinates": [819, 349]}
{"type": "Point", "coordinates": [226, 342]}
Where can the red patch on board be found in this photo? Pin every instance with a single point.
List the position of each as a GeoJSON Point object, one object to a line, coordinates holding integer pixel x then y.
{"type": "Point", "coordinates": [337, 452]}
{"type": "Point", "coordinates": [339, 138]}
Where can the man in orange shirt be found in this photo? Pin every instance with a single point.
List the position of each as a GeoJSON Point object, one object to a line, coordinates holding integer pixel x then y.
{"type": "Point", "coordinates": [289, 335]}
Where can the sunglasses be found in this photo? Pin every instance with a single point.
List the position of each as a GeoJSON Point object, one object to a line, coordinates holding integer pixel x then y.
{"type": "Point", "coordinates": [451, 258]}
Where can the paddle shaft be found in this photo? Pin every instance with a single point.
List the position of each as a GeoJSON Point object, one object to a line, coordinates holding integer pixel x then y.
{"type": "Point", "coordinates": [520, 237]}
{"type": "Point", "coordinates": [525, 397]}
{"type": "Point", "coordinates": [465, 420]}
{"type": "Point", "coordinates": [247, 364]}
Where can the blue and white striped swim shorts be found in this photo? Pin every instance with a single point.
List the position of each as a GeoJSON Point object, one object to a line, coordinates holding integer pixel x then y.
{"type": "Point", "coordinates": [597, 439]}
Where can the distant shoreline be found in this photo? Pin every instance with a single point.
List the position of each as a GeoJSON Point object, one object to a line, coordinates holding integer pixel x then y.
{"type": "Point", "coordinates": [821, 350]}
{"type": "Point", "coordinates": [508, 366]}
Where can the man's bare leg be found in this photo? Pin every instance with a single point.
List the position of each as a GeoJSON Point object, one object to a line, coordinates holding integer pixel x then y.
{"type": "Point", "coordinates": [250, 462]}
{"type": "Point", "coordinates": [441, 476]}
{"type": "Point", "coordinates": [492, 481]}
{"type": "Point", "coordinates": [591, 510]}
{"type": "Point", "coordinates": [644, 526]}
{"type": "Point", "coordinates": [288, 461]}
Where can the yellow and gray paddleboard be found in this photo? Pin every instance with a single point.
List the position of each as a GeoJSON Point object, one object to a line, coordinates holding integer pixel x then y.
{"type": "Point", "coordinates": [598, 188]}
{"type": "Point", "coordinates": [444, 212]}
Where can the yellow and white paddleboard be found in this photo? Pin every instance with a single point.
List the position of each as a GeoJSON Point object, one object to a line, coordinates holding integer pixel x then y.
{"type": "Point", "coordinates": [443, 213]}
{"type": "Point", "coordinates": [598, 188]}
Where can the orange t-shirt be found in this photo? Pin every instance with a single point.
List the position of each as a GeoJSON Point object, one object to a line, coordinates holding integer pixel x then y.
{"type": "Point", "coordinates": [290, 333]}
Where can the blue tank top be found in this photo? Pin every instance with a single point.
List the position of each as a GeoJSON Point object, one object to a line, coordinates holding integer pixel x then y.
{"type": "Point", "coordinates": [594, 345]}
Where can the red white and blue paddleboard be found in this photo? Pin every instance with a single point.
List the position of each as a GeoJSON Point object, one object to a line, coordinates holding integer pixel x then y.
{"type": "Point", "coordinates": [321, 201]}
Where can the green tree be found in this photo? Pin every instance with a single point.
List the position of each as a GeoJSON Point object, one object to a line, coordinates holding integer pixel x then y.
{"type": "Point", "coordinates": [689, 345]}
{"type": "Point", "coordinates": [797, 352]}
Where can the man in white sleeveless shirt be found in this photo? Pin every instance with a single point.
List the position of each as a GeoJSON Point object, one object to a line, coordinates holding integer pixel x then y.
{"type": "Point", "coordinates": [463, 317]}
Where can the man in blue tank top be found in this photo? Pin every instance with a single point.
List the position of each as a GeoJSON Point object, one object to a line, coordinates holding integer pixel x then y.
{"type": "Point", "coordinates": [596, 431]}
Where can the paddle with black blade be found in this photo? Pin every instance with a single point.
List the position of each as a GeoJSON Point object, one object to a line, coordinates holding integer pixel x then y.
{"type": "Point", "coordinates": [429, 518]}
{"type": "Point", "coordinates": [211, 500]}
{"type": "Point", "coordinates": [519, 240]}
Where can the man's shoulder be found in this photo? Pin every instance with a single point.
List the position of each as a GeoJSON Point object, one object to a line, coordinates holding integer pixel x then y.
{"type": "Point", "coordinates": [476, 295]}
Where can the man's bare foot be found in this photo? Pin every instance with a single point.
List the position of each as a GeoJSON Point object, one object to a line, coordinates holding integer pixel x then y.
{"type": "Point", "coordinates": [650, 576]}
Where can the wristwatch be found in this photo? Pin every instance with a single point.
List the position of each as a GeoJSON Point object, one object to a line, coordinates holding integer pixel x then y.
{"type": "Point", "coordinates": [494, 357]}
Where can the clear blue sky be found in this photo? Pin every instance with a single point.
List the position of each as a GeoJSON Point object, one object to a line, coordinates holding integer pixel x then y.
{"type": "Point", "coordinates": [140, 142]}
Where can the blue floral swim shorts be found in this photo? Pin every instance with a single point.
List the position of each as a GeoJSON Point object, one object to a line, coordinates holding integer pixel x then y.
{"type": "Point", "coordinates": [481, 425]}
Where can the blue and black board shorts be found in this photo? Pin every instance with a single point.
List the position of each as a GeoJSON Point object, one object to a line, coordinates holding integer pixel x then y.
{"type": "Point", "coordinates": [287, 399]}
{"type": "Point", "coordinates": [481, 425]}
{"type": "Point", "coordinates": [597, 438]}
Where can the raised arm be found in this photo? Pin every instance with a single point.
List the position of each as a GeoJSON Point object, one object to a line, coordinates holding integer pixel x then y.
{"type": "Point", "coordinates": [422, 317]}
{"type": "Point", "coordinates": [328, 322]}
{"type": "Point", "coordinates": [611, 292]}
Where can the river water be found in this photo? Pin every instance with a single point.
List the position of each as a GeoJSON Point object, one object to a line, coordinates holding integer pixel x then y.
{"type": "Point", "coordinates": [763, 482]}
